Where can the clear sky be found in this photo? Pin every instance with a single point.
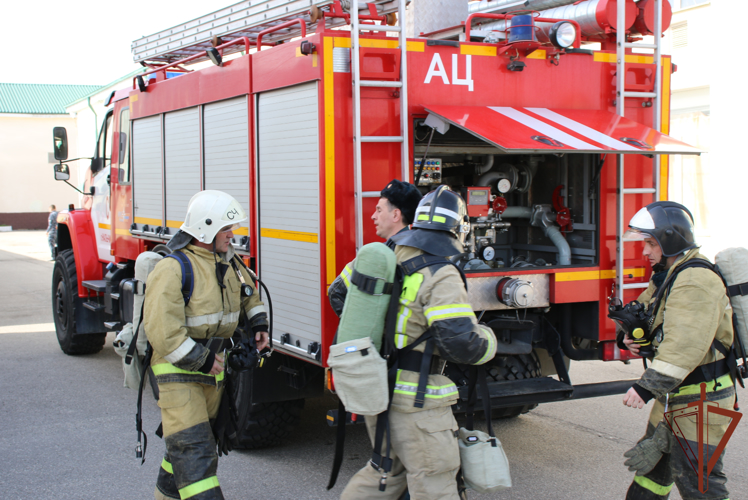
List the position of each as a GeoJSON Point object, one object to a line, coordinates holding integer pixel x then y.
{"type": "Point", "coordinates": [83, 42]}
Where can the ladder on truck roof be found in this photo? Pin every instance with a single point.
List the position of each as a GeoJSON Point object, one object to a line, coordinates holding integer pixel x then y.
{"type": "Point", "coordinates": [356, 28]}
{"type": "Point", "coordinates": [244, 19]}
{"type": "Point", "coordinates": [621, 95]}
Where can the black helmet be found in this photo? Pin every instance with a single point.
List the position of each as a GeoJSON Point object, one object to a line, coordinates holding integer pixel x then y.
{"type": "Point", "coordinates": [443, 210]}
{"type": "Point", "coordinates": [403, 196]}
{"type": "Point", "coordinates": [670, 223]}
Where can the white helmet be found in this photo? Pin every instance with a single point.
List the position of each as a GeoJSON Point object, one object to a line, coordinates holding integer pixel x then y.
{"type": "Point", "coordinates": [209, 212]}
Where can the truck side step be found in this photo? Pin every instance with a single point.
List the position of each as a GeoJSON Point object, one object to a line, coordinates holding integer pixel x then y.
{"type": "Point", "coordinates": [113, 326]}
{"type": "Point", "coordinates": [93, 306]}
{"type": "Point", "coordinates": [95, 285]}
{"type": "Point", "coordinates": [523, 392]}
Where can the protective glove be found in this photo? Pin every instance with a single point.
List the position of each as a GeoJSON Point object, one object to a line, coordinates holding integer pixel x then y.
{"type": "Point", "coordinates": [224, 426]}
{"type": "Point", "coordinates": [643, 457]}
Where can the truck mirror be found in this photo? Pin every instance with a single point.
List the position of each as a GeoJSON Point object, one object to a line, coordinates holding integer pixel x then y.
{"type": "Point", "coordinates": [60, 143]}
{"type": "Point", "coordinates": [62, 172]}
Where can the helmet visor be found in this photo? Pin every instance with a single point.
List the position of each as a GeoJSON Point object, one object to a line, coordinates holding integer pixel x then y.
{"type": "Point", "coordinates": [230, 227]}
{"type": "Point", "coordinates": [635, 235]}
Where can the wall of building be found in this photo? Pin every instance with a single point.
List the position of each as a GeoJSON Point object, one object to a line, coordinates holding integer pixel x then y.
{"type": "Point", "coordinates": [28, 187]}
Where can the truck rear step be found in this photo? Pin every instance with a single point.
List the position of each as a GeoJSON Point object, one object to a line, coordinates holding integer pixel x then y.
{"type": "Point", "coordinates": [545, 390]}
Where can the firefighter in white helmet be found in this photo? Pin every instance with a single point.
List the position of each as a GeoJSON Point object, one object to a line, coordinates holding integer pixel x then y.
{"type": "Point", "coordinates": [186, 336]}
{"type": "Point", "coordinates": [692, 344]}
{"type": "Point", "coordinates": [424, 450]}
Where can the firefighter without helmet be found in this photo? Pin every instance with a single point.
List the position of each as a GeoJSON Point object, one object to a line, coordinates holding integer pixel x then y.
{"type": "Point", "coordinates": [211, 211]}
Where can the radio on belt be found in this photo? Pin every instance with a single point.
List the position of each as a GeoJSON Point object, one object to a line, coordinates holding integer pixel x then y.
{"type": "Point", "coordinates": [478, 199]}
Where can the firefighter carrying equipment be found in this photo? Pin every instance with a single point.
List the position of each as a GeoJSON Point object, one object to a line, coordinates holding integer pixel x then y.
{"type": "Point", "coordinates": [643, 457]}
{"type": "Point", "coordinates": [669, 223]}
{"type": "Point", "coordinates": [182, 337]}
{"type": "Point", "coordinates": [209, 212]}
{"type": "Point", "coordinates": [485, 467]}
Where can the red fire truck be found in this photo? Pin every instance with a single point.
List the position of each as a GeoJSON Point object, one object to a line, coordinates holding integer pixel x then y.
{"type": "Point", "coordinates": [548, 122]}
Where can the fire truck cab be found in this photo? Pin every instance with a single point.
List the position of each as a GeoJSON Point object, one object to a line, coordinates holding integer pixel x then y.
{"type": "Point", "coordinates": [552, 143]}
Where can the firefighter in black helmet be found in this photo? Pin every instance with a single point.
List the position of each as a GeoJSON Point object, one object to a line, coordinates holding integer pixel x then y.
{"type": "Point", "coordinates": [434, 305]}
{"type": "Point", "coordinates": [691, 344]}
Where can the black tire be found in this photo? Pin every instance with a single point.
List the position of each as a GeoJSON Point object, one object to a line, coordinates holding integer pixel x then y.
{"type": "Point", "coordinates": [64, 301]}
{"type": "Point", "coordinates": [514, 367]}
{"type": "Point", "coordinates": [517, 367]}
{"type": "Point", "coordinates": [262, 425]}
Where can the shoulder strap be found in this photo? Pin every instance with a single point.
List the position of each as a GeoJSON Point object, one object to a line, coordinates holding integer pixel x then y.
{"type": "Point", "coordinates": [188, 279]}
{"type": "Point", "coordinates": [415, 264]}
{"type": "Point", "coordinates": [664, 290]}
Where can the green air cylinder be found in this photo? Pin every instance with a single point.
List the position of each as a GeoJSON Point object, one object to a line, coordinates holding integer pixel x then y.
{"type": "Point", "coordinates": [364, 313]}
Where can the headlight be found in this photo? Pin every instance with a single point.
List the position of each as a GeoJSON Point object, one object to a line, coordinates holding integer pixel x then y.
{"type": "Point", "coordinates": [563, 34]}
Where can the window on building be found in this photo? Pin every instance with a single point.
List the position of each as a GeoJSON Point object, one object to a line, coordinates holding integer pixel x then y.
{"type": "Point", "coordinates": [684, 4]}
{"type": "Point", "coordinates": [680, 35]}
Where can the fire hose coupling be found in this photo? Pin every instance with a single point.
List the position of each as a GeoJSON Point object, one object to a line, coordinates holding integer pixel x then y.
{"type": "Point", "coordinates": [515, 292]}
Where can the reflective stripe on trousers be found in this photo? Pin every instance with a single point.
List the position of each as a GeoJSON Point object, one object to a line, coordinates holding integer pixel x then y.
{"type": "Point", "coordinates": [432, 391]}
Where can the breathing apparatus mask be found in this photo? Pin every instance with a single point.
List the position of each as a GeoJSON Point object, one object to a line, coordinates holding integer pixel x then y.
{"type": "Point", "coordinates": [634, 320]}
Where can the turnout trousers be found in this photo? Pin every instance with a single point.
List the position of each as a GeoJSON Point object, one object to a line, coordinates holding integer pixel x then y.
{"type": "Point", "coordinates": [680, 466]}
{"type": "Point", "coordinates": [190, 462]}
{"type": "Point", "coordinates": [425, 457]}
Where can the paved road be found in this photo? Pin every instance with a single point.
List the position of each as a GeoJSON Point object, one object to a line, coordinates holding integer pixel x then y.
{"type": "Point", "coordinates": [67, 424]}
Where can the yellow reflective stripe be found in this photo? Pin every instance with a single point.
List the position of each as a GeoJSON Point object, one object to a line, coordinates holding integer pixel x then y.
{"type": "Point", "coordinates": [166, 368]}
{"type": "Point", "coordinates": [411, 285]}
{"type": "Point", "coordinates": [489, 351]}
{"type": "Point", "coordinates": [167, 467]}
{"type": "Point", "coordinates": [448, 311]}
{"type": "Point", "coordinates": [423, 217]}
{"type": "Point", "coordinates": [439, 218]}
{"type": "Point", "coordinates": [724, 381]}
{"type": "Point", "coordinates": [650, 485]}
{"type": "Point", "coordinates": [199, 487]}
{"type": "Point", "coordinates": [401, 340]}
{"type": "Point", "coordinates": [432, 391]}
{"type": "Point", "coordinates": [346, 275]}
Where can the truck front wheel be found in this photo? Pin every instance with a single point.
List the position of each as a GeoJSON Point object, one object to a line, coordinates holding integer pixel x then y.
{"type": "Point", "coordinates": [64, 302]}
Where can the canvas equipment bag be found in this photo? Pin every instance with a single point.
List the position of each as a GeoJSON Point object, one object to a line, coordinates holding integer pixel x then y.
{"type": "Point", "coordinates": [485, 467]}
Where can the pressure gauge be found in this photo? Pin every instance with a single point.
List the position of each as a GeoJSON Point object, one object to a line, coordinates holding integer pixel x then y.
{"type": "Point", "coordinates": [504, 186]}
{"type": "Point", "coordinates": [489, 253]}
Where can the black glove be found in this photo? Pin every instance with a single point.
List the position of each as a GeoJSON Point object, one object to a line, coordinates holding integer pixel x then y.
{"type": "Point", "coordinates": [243, 356]}
{"type": "Point", "coordinates": [225, 428]}
{"type": "Point", "coordinates": [643, 457]}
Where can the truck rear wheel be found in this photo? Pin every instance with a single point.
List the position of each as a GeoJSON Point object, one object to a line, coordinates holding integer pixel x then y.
{"type": "Point", "coordinates": [64, 301]}
{"type": "Point", "coordinates": [262, 424]}
{"type": "Point", "coordinates": [517, 367]}
{"type": "Point", "coordinates": [512, 367]}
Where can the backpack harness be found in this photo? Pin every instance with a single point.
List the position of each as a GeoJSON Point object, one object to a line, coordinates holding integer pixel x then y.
{"type": "Point", "coordinates": [715, 369]}
{"type": "Point", "coordinates": [397, 359]}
